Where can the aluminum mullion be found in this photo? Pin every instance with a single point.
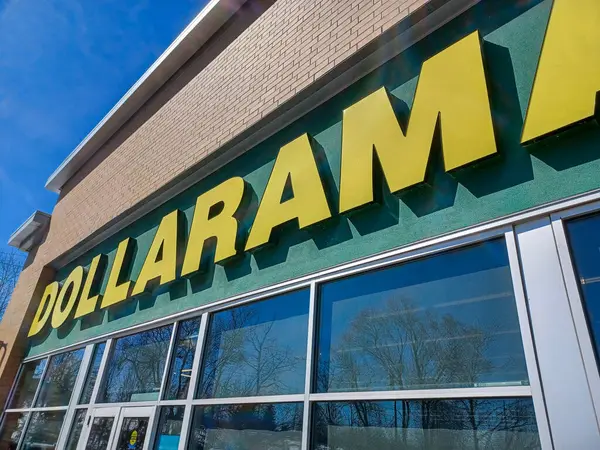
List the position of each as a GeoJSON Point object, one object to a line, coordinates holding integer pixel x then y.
{"type": "Point", "coordinates": [79, 382]}
{"type": "Point", "coordinates": [539, 403]}
{"type": "Point", "coordinates": [108, 348]}
{"type": "Point", "coordinates": [34, 400]}
{"type": "Point", "coordinates": [579, 315]}
{"type": "Point", "coordinates": [423, 394]}
{"type": "Point", "coordinates": [308, 376]}
{"type": "Point", "coordinates": [174, 330]}
{"type": "Point", "coordinates": [196, 364]}
{"type": "Point", "coordinates": [292, 398]}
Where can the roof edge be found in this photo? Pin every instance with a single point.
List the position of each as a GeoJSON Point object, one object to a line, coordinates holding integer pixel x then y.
{"type": "Point", "coordinates": [28, 234]}
{"type": "Point", "coordinates": [212, 17]}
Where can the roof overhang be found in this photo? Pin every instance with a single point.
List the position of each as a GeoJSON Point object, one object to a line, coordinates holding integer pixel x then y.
{"type": "Point", "coordinates": [212, 17]}
{"type": "Point", "coordinates": [30, 233]}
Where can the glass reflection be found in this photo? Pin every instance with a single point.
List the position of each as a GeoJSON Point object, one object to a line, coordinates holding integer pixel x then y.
{"type": "Point", "coordinates": [257, 349]}
{"type": "Point", "coordinates": [30, 376]}
{"type": "Point", "coordinates": [135, 368]}
{"type": "Point", "coordinates": [183, 358]}
{"type": "Point", "coordinates": [12, 427]}
{"type": "Point", "coordinates": [76, 429]}
{"type": "Point", "coordinates": [43, 429]}
{"type": "Point", "coordinates": [169, 428]}
{"type": "Point", "coordinates": [470, 424]}
{"type": "Point", "coordinates": [60, 378]}
{"type": "Point", "coordinates": [133, 433]}
{"type": "Point", "coordinates": [90, 381]}
{"type": "Point", "coordinates": [247, 427]}
{"type": "Point", "coordinates": [584, 237]}
{"type": "Point", "coordinates": [445, 321]}
{"type": "Point", "coordinates": [100, 433]}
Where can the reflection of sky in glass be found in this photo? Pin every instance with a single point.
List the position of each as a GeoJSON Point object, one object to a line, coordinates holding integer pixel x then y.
{"type": "Point", "coordinates": [584, 237]}
{"type": "Point", "coordinates": [257, 349]}
{"type": "Point", "coordinates": [88, 388]}
{"type": "Point", "coordinates": [60, 378]}
{"type": "Point", "coordinates": [135, 367]}
{"type": "Point", "coordinates": [183, 358]}
{"type": "Point", "coordinates": [27, 384]}
{"type": "Point", "coordinates": [444, 321]}
{"type": "Point", "coordinates": [460, 424]}
{"type": "Point", "coordinates": [43, 429]}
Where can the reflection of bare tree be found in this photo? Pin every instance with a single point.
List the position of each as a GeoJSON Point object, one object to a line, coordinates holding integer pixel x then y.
{"type": "Point", "coordinates": [244, 357]}
{"type": "Point", "coordinates": [183, 358]}
{"type": "Point", "coordinates": [255, 426]}
{"type": "Point", "coordinates": [136, 365]}
{"type": "Point", "coordinates": [472, 424]}
{"type": "Point", "coordinates": [60, 379]}
{"type": "Point", "coordinates": [401, 346]}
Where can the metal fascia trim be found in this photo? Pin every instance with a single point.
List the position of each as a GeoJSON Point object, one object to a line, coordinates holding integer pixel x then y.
{"type": "Point", "coordinates": [212, 17]}
{"type": "Point", "coordinates": [25, 236]}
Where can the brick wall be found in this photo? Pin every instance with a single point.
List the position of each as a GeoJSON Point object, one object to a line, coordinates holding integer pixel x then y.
{"type": "Point", "coordinates": [292, 44]}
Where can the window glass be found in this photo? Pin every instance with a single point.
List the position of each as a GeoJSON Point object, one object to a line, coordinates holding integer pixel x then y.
{"type": "Point", "coordinates": [59, 381]}
{"type": "Point", "coordinates": [43, 429]}
{"type": "Point", "coordinates": [100, 433]}
{"type": "Point", "coordinates": [584, 238]}
{"type": "Point", "coordinates": [27, 384]}
{"type": "Point", "coordinates": [183, 357]}
{"type": "Point", "coordinates": [445, 321]}
{"type": "Point", "coordinates": [247, 427]}
{"type": "Point", "coordinates": [470, 424]}
{"type": "Point", "coordinates": [90, 381]}
{"type": "Point", "coordinates": [257, 349]}
{"type": "Point", "coordinates": [133, 433]}
{"type": "Point", "coordinates": [169, 428]}
{"type": "Point", "coordinates": [135, 368]}
{"type": "Point", "coordinates": [76, 429]}
{"type": "Point", "coordinates": [12, 427]}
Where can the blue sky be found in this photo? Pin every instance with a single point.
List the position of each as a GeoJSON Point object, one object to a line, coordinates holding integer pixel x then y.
{"type": "Point", "coordinates": [63, 65]}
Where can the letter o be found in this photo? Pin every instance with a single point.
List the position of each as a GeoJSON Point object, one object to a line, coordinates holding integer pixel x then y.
{"type": "Point", "coordinates": [61, 312]}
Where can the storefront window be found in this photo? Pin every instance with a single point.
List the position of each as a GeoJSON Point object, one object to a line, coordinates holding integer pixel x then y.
{"type": "Point", "coordinates": [446, 321]}
{"type": "Point", "coordinates": [90, 381]}
{"type": "Point", "coordinates": [247, 427]}
{"type": "Point", "coordinates": [76, 429]}
{"type": "Point", "coordinates": [257, 349]}
{"type": "Point", "coordinates": [27, 383]}
{"type": "Point", "coordinates": [12, 427]}
{"type": "Point", "coordinates": [59, 381]}
{"type": "Point", "coordinates": [43, 430]}
{"type": "Point", "coordinates": [183, 358]}
{"type": "Point", "coordinates": [169, 428]}
{"type": "Point", "coordinates": [584, 238]}
{"type": "Point", "coordinates": [135, 367]}
{"type": "Point", "coordinates": [465, 424]}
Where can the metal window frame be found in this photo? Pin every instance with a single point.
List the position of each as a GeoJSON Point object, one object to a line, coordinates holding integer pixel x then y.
{"type": "Point", "coordinates": [575, 297]}
{"type": "Point", "coordinates": [507, 228]}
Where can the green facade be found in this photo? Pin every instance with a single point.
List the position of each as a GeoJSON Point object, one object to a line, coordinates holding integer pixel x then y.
{"type": "Point", "coordinates": [518, 179]}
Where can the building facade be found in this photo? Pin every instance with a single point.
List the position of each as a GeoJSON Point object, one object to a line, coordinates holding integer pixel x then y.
{"type": "Point", "coordinates": [326, 225]}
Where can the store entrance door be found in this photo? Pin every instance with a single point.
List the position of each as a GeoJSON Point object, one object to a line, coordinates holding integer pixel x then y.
{"type": "Point", "coordinates": [122, 428]}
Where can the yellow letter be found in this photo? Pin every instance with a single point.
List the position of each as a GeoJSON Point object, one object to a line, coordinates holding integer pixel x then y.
{"type": "Point", "coordinates": [161, 261]}
{"type": "Point", "coordinates": [568, 75]}
{"type": "Point", "coordinates": [452, 89]}
{"type": "Point", "coordinates": [71, 286]}
{"type": "Point", "coordinates": [117, 289]}
{"type": "Point", "coordinates": [45, 309]}
{"type": "Point", "coordinates": [309, 204]}
{"type": "Point", "coordinates": [223, 226]}
{"type": "Point", "coordinates": [87, 304]}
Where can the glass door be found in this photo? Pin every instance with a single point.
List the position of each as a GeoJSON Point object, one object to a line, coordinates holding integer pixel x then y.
{"type": "Point", "coordinates": [99, 429]}
{"type": "Point", "coordinates": [117, 428]}
{"type": "Point", "coordinates": [134, 428]}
